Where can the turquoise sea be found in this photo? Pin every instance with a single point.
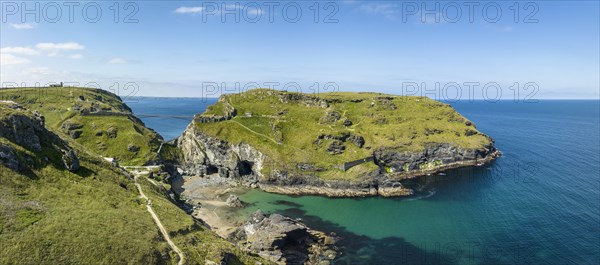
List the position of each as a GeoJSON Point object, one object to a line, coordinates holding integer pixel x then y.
{"type": "Point", "coordinates": [537, 204]}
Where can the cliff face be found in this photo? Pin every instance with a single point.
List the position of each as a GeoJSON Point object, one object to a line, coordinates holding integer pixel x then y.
{"type": "Point", "coordinates": [434, 157]}
{"type": "Point", "coordinates": [334, 145]}
{"type": "Point", "coordinates": [204, 155]}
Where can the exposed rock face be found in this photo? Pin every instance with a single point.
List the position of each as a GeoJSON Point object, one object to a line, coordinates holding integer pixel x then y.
{"type": "Point", "coordinates": [434, 155]}
{"type": "Point", "coordinates": [205, 155]}
{"type": "Point", "coordinates": [8, 157]}
{"type": "Point", "coordinates": [234, 201]}
{"type": "Point", "coordinates": [27, 129]}
{"type": "Point", "coordinates": [283, 240]}
{"type": "Point", "coordinates": [23, 130]}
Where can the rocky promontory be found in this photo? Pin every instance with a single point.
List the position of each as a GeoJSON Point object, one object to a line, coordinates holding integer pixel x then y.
{"type": "Point", "coordinates": [332, 144]}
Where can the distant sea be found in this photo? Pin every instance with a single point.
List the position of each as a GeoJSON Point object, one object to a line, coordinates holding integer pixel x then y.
{"type": "Point", "coordinates": [537, 204]}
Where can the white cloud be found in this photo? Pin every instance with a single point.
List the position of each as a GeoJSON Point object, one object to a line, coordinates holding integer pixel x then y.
{"type": "Point", "coordinates": [60, 46]}
{"type": "Point", "coordinates": [387, 10]}
{"type": "Point", "coordinates": [117, 60]}
{"type": "Point", "coordinates": [38, 71]}
{"type": "Point", "coordinates": [75, 56]}
{"type": "Point", "coordinates": [9, 59]}
{"type": "Point", "coordinates": [21, 26]}
{"type": "Point", "coordinates": [189, 10]}
{"type": "Point", "coordinates": [254, 11]}
{"type": "Point", "coordinates": [20, 50]}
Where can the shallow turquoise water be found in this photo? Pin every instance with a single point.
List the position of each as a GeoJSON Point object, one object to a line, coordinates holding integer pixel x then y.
{"type": "Point", "coordinates": [537, 204]}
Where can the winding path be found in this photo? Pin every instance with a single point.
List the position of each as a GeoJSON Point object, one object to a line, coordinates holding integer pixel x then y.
{"type": "Point", "coordinates": [162, 229]}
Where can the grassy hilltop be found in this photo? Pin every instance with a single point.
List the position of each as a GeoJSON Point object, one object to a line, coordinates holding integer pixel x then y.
{"type": "Point", "coordinates": [93, 215]}
{"type": "Point", "coordinates": [95, 118]}
{"type": "Point", "coordinates": [294, 128]}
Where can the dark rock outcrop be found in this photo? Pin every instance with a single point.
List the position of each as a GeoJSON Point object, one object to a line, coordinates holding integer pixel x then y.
{"type": "Point", "coordinates": [435, 155]}
{"type": "Point", "coordinates": [336, 147]}
{"type": "Point", "coordinates": [8, 157]}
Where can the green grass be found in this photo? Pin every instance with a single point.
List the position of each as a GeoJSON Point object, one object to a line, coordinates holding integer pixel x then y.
{"type": "Point", "coordinates": [49, 215]}
{"type": "Point", "coordinates": [402, 123]}
{"type": "Point", "coordinates": [92, 217]}
{"type": "Point", "coordinates": [58, 105]}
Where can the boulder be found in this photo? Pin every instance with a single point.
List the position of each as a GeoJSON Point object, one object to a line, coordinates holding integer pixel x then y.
{"type": "Point", "coordinates": [71, 161]}
{"type": "Point", "coordinates": [234, 201]}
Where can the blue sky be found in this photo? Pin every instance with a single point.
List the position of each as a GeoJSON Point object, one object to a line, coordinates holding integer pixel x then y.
{"type": "Point", "coordinates": [194, 49]}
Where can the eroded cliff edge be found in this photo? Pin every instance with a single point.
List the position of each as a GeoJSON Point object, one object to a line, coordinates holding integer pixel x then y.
{"type": "Point", "coordinates": [337, 145]}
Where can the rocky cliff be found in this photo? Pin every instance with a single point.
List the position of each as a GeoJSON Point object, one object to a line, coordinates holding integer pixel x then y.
{"type": "Point", "coordinates": [26, 129]}
{"type": "Point", "coordinates": [344, 159]}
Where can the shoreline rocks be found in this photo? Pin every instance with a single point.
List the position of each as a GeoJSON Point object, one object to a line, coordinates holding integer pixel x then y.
{"type": "Point", "coordinates": [284, 240]}
{"type": "Point", "coordinates": [234, 201]}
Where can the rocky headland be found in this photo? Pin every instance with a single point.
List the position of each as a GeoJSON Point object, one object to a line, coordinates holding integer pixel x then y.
{"type": "Point", "coordinates": [263, 148]}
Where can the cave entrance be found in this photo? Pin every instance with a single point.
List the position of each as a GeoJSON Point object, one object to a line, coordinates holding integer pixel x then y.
{"type": "Point", "coordinates": [210, 169]}
{"type": "Point", "coordinates": [245, 168]}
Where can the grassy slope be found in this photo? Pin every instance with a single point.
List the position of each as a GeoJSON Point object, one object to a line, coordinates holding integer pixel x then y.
{"type": "Point", "coordinates": [403, 128]}
{"type": "Point", "coordinates": [57, 106]}
{"type": "Point", "coordinates": [51, 216]}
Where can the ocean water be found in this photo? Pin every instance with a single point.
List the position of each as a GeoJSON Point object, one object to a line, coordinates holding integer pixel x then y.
{"type": "Point", "coordinates": [537, 204]}
{"type": "Point", "coordinates": [174, 114]}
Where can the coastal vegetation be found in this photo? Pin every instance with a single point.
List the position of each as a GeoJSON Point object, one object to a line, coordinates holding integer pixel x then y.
{"type": "Point", "coordinates": [329, 129]}
{"type": "Point", "coordinates": [62, 203]}
{"type": "Point", "coordinates": [97, 119]}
